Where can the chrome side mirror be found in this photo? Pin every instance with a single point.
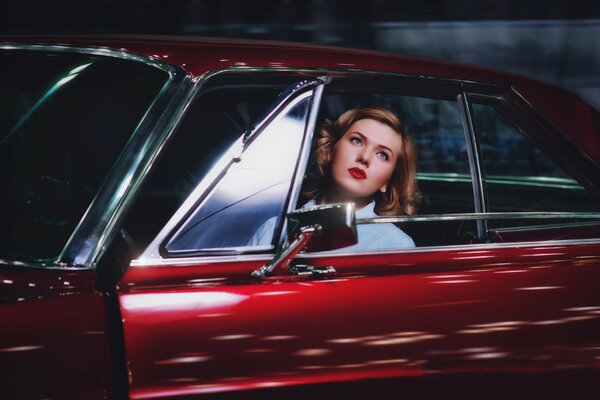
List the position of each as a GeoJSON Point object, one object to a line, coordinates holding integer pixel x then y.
{"type": "Point", "coordinates": [318, 228]}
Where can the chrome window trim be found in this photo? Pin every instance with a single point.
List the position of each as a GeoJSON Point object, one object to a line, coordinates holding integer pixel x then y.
{"type": "Point", "coordinates": [98, 224]}
{"type": "Point", "coordinates": [559, 183]}
{"type": "Point", "coordinates": [206, 185]}
{"type": "Point", "coordinates": [303, 159]}
{"type": "Point", "coordinates": [186, 261]}
{"type": "Point", "coordinates": [286, 97]}
{"type": "Point", "coordinates": [94, 50]}
{"type": "Point", "coordinates": [479, 216]}
{"type": "Point", "coordinates": [204, 260]}
{"type": "Point", "coordinates": [477, 178]}
{"type": "Point", "coordinates": [547, 226]}
{"type": "Point", "coordinates": [333, 73]}
{"type": "Point", "coordinates": [467, 247]}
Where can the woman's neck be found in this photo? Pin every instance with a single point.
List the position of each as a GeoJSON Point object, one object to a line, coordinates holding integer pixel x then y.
{"type": "Point", "coordinates": [359, 202]}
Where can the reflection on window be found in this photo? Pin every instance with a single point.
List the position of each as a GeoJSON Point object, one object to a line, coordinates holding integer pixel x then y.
{"type": "Point", "coordinates": [507, 153]}
{"type": "Point", "coordinates": [518, 175]}
{"type": "Point", "coordinates": [253, 190]}
{"type": "Point", "coordinates": [64, 120]}
{"type": "Point", "coordinates": [437, 129]}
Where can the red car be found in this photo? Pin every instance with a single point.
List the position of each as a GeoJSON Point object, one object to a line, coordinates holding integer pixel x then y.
{"type": "Point", "coordinates": [134, 172]}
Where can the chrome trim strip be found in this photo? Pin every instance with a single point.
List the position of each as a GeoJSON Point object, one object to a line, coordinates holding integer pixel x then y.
{"type": "Point", "coordinates": [466, 247]}
{"type": "Point", "coordinates": [577, 224]}
{"type": "Point", "coordinates": [93, 50]}
{"type": "Point", "coordinates": [474, 161]}
{"type": "Point", "coordinates": [221, 167]}
{"type": "Point", "coordinates": [479, 216]}
{"type": "Point", "coordinates": [352, 73]}
{"type": "Point", "coordinates": [190, 261]}
{"type": "Point", "coordinates": [185, 261]}
{"type": "Point", "coordinates": [536, 181]}
{"type": "Point", "coordinates": [304, 156]}
{"type": "Point", "coordinates": [98, 224]}
{"type": "Point", "coordinates": [283, 98]}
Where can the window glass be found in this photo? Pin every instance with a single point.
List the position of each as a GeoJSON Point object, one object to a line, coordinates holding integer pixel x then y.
{"type": "Point", "coordinates": [436, 126]}
{"type": "Point", "coordinates": [509, 154]}
{"type": "Point", "coordinates": [519, 175]}
{"type": "Point", "coordinates": [213, 122]}
{"type": "Point", "coordinates": [64, 119]}
{"type": "Point", "coordinates": [252, 194]}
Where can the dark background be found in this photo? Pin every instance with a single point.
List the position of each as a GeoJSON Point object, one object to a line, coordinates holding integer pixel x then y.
{"type": "Point", "coordinates": [556, 41]}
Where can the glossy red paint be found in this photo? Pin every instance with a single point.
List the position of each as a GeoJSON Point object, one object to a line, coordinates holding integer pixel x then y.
{"type": "Point", "coordinates": [54, 335]}
{"type": "Point", "coordinates": [411, 316]}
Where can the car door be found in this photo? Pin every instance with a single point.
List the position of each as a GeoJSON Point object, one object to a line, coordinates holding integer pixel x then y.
{"type": "Point", "coordinates": [196, 322]}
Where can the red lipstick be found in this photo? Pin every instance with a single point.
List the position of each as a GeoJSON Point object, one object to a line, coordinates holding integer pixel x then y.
{"type": "Point", "coordinates": [357, 173]}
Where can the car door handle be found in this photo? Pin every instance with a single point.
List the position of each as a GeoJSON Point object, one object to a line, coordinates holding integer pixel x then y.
{"type": "Point", "coordinates": [314, 270]}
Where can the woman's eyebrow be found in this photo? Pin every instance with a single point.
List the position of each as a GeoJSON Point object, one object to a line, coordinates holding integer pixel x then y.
{"type": "Point", "coordinates": [385, 148]}
{"type": "Point", "coordinates": [360, 134]}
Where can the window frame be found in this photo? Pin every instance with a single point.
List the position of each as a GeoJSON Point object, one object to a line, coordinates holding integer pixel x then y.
{"type": "Point", "coordinates": [516, 107]}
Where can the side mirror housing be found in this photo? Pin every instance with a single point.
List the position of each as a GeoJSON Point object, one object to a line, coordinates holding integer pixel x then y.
{"type": "Point", "coordinates": [337, 225]}
{"type": "Point", "coordinates": [318, 228]}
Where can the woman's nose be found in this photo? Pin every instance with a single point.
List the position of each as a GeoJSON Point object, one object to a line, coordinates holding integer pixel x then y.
{"type": "Point", "coordinates": [363, 157]}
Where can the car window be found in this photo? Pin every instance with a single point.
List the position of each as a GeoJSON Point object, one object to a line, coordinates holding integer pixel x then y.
{"type": "Point", "coordinates": [511, 160]}
{"type": "Point", "coordinates": [253, 191]}
{"type": "Point", "coordinates": [64, 119]}
{"type": "Point", "coordinates": [520, 176]}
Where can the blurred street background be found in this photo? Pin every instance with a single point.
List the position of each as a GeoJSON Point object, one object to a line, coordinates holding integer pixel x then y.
{"type": "Point", "coordinates": [557, 41]}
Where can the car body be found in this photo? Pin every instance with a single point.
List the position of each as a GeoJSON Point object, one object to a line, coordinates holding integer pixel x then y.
{"type": "Point", "coordinates": [138, 167]}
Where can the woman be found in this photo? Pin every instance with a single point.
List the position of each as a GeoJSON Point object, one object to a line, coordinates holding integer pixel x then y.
{"type": "Point", "coordinates": [364, 157]}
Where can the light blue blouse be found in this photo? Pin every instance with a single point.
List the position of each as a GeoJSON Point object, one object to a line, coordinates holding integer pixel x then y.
{"type": "Point", "coordinates": [370, 236]}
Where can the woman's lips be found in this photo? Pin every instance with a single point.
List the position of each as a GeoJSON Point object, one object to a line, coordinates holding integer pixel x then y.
{"type": "Point", "coordinates": [357, 173]}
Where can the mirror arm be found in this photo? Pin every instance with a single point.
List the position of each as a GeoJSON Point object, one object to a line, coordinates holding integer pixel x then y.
{"type": "Point", "coordinates": [286, 255]}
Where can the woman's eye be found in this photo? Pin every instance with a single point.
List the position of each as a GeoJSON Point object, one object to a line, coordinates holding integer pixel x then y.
{"type": "Point", "coordinates": [383, 155]}
{"type": "Point", "coordinates": [355, 140]}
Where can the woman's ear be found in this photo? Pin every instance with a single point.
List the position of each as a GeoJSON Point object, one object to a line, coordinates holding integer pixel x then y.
{"type": "Point", "coordinates": [383, 189]}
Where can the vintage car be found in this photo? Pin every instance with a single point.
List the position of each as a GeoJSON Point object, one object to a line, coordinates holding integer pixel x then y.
{"type": "Point", "coordinates": [135, 170]}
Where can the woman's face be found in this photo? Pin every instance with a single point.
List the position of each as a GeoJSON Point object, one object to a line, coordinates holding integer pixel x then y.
{"type": "Point", "coordinates": [363, 161]}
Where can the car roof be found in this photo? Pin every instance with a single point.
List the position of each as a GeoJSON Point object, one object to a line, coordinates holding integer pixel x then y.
{"type": "Point", "coordinates": [576, 119]}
